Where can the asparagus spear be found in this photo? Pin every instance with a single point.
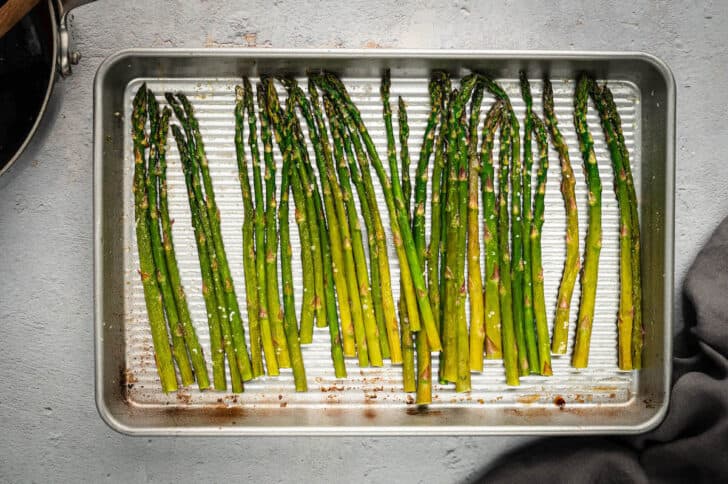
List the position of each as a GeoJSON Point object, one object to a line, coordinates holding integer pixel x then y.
{"type": "Point", "coordinates": [409, 314]}
{"type": "Point", "coordinates": [309, 304]}
{"type": "Point", "coordinates": [368, 201]}
{"type": "Point", "coordinates": [251, 277]}
{"type": "Point", "coordinates": [266, 336]}
{"type": "Point", "coordinates": [528, 317]}
{"type": "Point", "coordinates": [438, 227]}
{"type": "Point", "coordinates": [475, 278]}
{"type": "Point", "coordinates": [509, 346]}
{"type": "Point", "coordinates": [375, 231]}
{"type": "Point", "coordinates": [307, 259]}
{"type": "Point", "coordinates": [637, 326]}
{"type": "Point", "coordinates": [448, 361]}
{"type": "Point", "coordinates": [329, 276]}
{"type": "Point", "coordinates": [271, 236]}
{"type": "Point", "coordinates": [179, 350]}
{"type": "Point", "coordinates": [197, 355]}
{"type": "Point", "coordinates": [332, 318]}
{"type": "Point", "coordinates": [353, 220]}
{"type": "Point", "coordinates": [354, 255]}
{"type": "Point", "coordinates": [318, 217]}
{"type": "Point", "coordinates": [409, 376]}
{"type": "Point", "coordinates": [580, 357]}
{"type": "Point", "coordinates": [400, 228]}
{"type": "Point", "coordinates": [572, 263]}
{"type": "Point", "coordinates": [626, 306]}
{"type": "Point", "coordinates": [152, 295]}
{"type": "Point", "coordinates": [213, 215]}
{"type": "Point", "coordinates": [327, 280]}
{"type": "Point", "coordinates": [539, 303]}
{"type": "Point", "coordinates": [457, 160]}
{"type": "Point", "coordinates": [376, 290]}
{"type": "Point", "coordinates": [289, 309]}
{"type": "Point", "coordinates": [433, 250]}
{"type": "Point", "coordinates": [380, 292]}
{"type": "Point", "coordinates": [490, 235]}
{"type": "Point", "coordinates": [382, 298]}
{"type": "Point", "coordinates": [424, 359]}
{"type": "Point", "coordinates": [467, 146]}
{"type": "Point", "coordinates": [526, 346]}
{"type": "Point", "coordinates": [211, 281]}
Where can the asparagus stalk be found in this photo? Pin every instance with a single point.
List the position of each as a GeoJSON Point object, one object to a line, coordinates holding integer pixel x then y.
{"type": "Point", "coordinates": [331, 316]}
{"type": "Point", "coordinates": [580, 357]}
{"type": "Point", "coordinates": [539, 303]}
{"type": "Point", "coordinates": [319, 224]}
{"type": "Point", "coordinates": [309, 304]}
{"type": "Point", "coordinates": [528, 316]}
{"type": "Point", "coordinates": [438, 226]}
{"type": "Point", "coordinates": [266, 336]}
{"type": "Point", "coordinates": [637, 326]}
{"type": "Point", "coordinates": [409, 313]}
{"type": "Point", "coordinates": [625, 318]}
{"type": "Point", "coordinates": [448, 361]}
{"type": "Point", "coordinates": [152, 295]}
{"type": "Point", "coordinates": [179, 350]}
{"type": "Point", "coordinates": [313, 195]}
{"type": "Point", "coordinates": [375, 231]}
{"type": "Point", "coordinates": [526, 346]}
{"type": "Point", "coordinates": [215, 299]}
{"type": "Point", "coordinates": [213, 215]}
{"type": "Point", "coordinates": [381, 291]}
{"type": "Point", "coordinates": [490, 235]}
{"type": "Point", "coordinates": [353, 220]}
{"type": "Point", "coordinates": [457, 161]}
{"type": "Point", "coordinates": [354, 255]}
{"type": "Point", "coordinates": [475, 278]}
{"type": "Point", "coordinates": [433, 250]}
{"type": "Point", "coordinates": [467, 146]}
{"type": "Point", "coordinates": [271, 236]}
{"type": "Point", "coordinates": [509, 346]}
{"type": "Point", "coordinates": [572, 263]}
{"type": "Point", "coordinates": [365, 188]}
{"type": "Point", "coordinates": [378, 288]}
{"type": "Point", "coordinates": [248, 230]}
{"type": "Point", "coordinates": [377, 342]}
{"type": "Point", "coordinates": [196, 353]}
{"type": "Point", "coordinates": [424, 358]}
{"type": "Point", "coordinates": [289, 308]}
{"type": "Point", "coordinates": [409, 376]}
{"type": "Point", "coordinates": [327, 279]}
{"type": "Point", "coordinates": [399, 220]}
{"type": "Point", "coordinates": [316, 216]}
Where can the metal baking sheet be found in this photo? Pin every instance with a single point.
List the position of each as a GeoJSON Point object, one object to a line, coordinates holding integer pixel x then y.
{"type": "Point", "coordinates": [598, 399]}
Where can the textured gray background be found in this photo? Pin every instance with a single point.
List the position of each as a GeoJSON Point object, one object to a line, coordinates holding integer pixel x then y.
{"type": "Point", "coordinates": [50, 427]}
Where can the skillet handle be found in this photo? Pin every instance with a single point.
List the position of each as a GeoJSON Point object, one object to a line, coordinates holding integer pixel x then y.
{"type": "Point", "coordinates": [66, 56]}
{"type": "Point", "coordinates": [12, 12]}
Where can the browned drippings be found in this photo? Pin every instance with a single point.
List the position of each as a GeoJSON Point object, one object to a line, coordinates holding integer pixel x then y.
{"type": "Point", "coordinates": [560, 402]}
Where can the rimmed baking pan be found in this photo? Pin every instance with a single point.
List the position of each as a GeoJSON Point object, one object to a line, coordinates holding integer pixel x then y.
{"type": "Point", "coordinates": [599, 399]}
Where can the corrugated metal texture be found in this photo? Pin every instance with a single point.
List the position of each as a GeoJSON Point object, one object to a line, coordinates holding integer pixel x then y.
{"type": "Point", "coordinates": [213, 100]}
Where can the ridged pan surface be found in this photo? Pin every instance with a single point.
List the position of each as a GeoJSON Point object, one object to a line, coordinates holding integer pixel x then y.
{"type": "Point", "coordinates": [213, 99]}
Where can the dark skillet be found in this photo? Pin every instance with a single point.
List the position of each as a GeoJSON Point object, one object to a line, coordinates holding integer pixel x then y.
{"type": "Point", "coordinates": [26, 70]}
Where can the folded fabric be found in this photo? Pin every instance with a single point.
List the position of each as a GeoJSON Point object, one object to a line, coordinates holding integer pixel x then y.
{"type": "Point", "coordinates": [691, 444]}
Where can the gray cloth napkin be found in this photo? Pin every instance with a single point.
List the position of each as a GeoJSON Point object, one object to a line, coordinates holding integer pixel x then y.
{"type": "Point", "coordinates": [691, 444]}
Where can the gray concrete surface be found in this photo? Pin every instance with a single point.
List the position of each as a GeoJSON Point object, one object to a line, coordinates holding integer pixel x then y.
{"type": "Point", "coordinates": [50, 428]}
